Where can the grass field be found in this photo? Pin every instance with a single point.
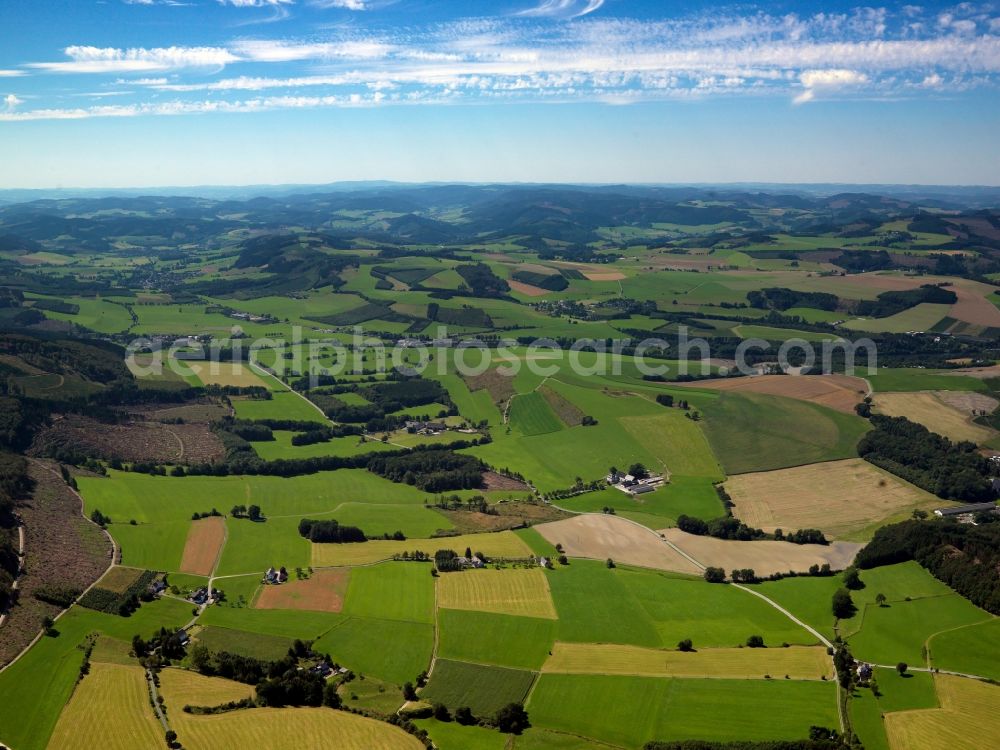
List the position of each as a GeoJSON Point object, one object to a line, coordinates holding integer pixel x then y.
{"type": "Point", "coordinates": [521, 642]}
{"type": "Point", "coordinates": [904, 379]}
{"type": "Point", "coordinates": [522, 591]}
{"type": "Point", "coordinates": [448, 735]}
{"type": "Point", "coordinates": [255, 645]}
{"type": "Point", "coordinates": [796, 662]}
{"type": "Point", "coordinates": [226, 373]}
{"type": "Point", "coordinates": [286, 405]}
{"type": "Point", "coordinates": [800, 498]}
{"type": "Point", "coordinates": [392, 591]}
{"type": "Point", "coordinates": [501, 544]}
{"type": "Point", "coordinates": [692, 496]}
{"type": "Point", "coordinates": [973, 650]}
{"type": "Point", "coordinates": [966, 719]}
{"type": "Point", "coordinates": [754, 432]}
{"type": "Point", "coordinates": [119, 578]}
{"type": "Point", "coordinates": [109, 690]}
{"type": "Point", "coordinates": [484, 689]}
{"type": "Point", "coordinates": [392, 650]}
{"type": "Point", "coordinates": [531, 414]}
{"type": "Point", "coordinates": [648, 708]}
{"type": "Point", "coordinates": [679, 443]}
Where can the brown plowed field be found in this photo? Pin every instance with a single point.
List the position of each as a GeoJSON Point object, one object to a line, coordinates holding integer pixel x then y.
{"type": "Point", "coordinates": [527, 289]}
{"type": "Point", "coordinates": [324, 591]}
{"type": "Point", "coordinates": [204, 542]}
{"type": "Point", "coordinates": [840, 392]}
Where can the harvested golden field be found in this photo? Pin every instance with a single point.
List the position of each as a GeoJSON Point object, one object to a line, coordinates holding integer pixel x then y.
{"type": "Point", "coordinates": [119, 578]}
{"type": "Point", "coordinates": [983, 373]}
{"type": "Point", "coordinates": [599, 536]}
{"type": "Point", "coordinates": [966, 720]}
{"type": "Point", "coordinates": [840, 392]}
{"type": "Point", "coordinates": [204, 543]}
{"type": "Point", "coordinates": [109, 710]}
{"type": "Point", "coordinates": [181, 687]}
{"type": "Point", "coordinates": [527, 289]}
{"type": "Point", "coordinates": [225, 373]}
{"type": "Point", "coordinates": [112, 651]}
{"type": "Point", "coordinates": [323, 591]}
{"type": "Point", "coordinates": [798, 662]}
{"type": "Point", "coordinates": [512, 591]}
{"type": "Point", "coordinates": [841, 498]}
{"type": "Point", "coordinates": [935, 413]}
{"type": "Point", "coordinates": [765, 557]}
{"type": "Point", "coordinates": [972, 305]}
{"type": "Point", "coordinates": [604, 275]}
{"type": "Point", "coordinates": [501, 544]}
{"type": "Point", "coordinates": [287, 729]}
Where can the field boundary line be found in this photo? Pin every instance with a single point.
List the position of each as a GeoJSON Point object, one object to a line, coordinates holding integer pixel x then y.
{"type": "Point", "coordinates": [114, 556]}
{"type": "Point", "coordinates": [255, 367]}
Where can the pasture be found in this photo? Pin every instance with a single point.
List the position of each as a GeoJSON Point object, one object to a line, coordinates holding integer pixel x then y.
{"type": "Point", "coordinates": [838, 392]}
{"type": "Point", "coordinates": [974, 649]}
{"type": "Point", "coordinates": [692, 496]}
{"type": "Point", "coordinates": [503, 640]}
{"type": "Point", "coordinates": [223, 373]}
{"type": "Point", "coordinates": [392, 650]}
{"type": "Point", "coordinates": [795, 662]}
{"type": "Point", "coordinates": [804, 497]}
{"type": "Point", "coordinates": [531, 414]}
{"type": "Point", "coordinates": [520, 591]}
{"type": "Point", "coordinates": [109, 690]}
{"type": "Point", "coordinates": [629, 711]}
{"type": "Point", "coordinates": [757, 432]}
{"type": "Point", "coordinates": [203, 545]}
{"type": "Point", "coordinates": [281, 405]}
{"type": "Point", "coordinates": [484, 689]}
{"type": "Point", "coordinates": [392, 591]}
{"type": "Point", "coordinates": [908, 379]}
{"type": "Point", "coordinates": [501, 544]}
{"type": "Point", "coordinates": [244, 643]}
{"type": "Point", "coordinates": [323, 591]}
{"type": "Point", "coordinates": [966, 717]}
{"type": "Point", "coordinates": [933, 410]}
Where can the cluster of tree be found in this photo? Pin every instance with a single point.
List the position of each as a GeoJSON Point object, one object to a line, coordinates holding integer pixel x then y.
{"type": "Point", "coordinates": [165, 646]}
{"type": "Point", "coordinates": [208, 514]}
{"type": "Point", "coordinates": [724, 527]}
{"type": "Point", "coordinates": [481, 281]}
{"type": "Point", "coordinates": [781, 299]}
{"type": "Point", "coordinates": [842, 605]}
{"type": "Point", "coordinates": [891, 303]}
{"type": "Point", "coordinates": [324, 434]}
{"type": "Point", "coordinates": [120, 602]}
{"type": "Point", "coordinates": [554, 282]}
{"type": "Point", "coordinates": [99, 518]}
{"type": "Point", "coordinates": [330, 531]}
{"type": "Point", "coordinates": [59, 595]}
{"type": "Point", "coordinates": [446, 560]}
{"type": "Point", "coordinates": [253, 512]}
{"type": "Point", "coordinates": [950, 470]}
{"type": "Point", "coordinates": [743, 575]}
{"type": "Point", "coordinates": [964, 556]}
{"type": "Point", "coordinates": [431, 470]}
{"type": "Point", "coordinates": [251, 431]}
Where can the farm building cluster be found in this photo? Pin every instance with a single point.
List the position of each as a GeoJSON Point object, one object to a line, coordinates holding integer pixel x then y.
{"type": "Point", "coordinates": [967, 513]}
{"type": "Point", "coordinates": [204, 595]}
{"type": "Point", "coordinates": [634, 485]}
{"type": "Point", "coordinates": [275, 577]}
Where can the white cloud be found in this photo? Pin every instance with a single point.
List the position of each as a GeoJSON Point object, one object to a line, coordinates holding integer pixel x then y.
{"type": "Point", "coordinates": [255, 3]}
{"type": "Point", "coordinates": [11, 73]}
{"type": "Point", "coordinates": [933, 81]}
{"type": "Point", "coordinates": [345, 4]}
{"type": "Point", "coordinates": [86, 59]}
{"type": "Point", "coordinates": [12, 101]}
{"type": "Point", "coordinates": [827, 80]}
{"type": "Point", "coordinates": [562, 8]}
{"type": "Point", "coordinates": [280, 51]}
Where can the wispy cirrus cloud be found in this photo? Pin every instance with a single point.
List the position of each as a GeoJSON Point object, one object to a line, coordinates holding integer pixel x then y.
{"type": "Point", "coordinates": [562, 8]}
{"type": "Point", "coordinates": [863, 52]}
{"type": "Point", "coordinates": [87, 59]}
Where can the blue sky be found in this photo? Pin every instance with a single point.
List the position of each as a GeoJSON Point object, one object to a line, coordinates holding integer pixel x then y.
{"type": "Point", "coordinates": [124, 93]}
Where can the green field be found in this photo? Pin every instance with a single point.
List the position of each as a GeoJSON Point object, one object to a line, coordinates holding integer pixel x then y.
{"type": "Point", "coordinates": [531, 414]}
{"type": "Point", "coordinates": [909, 379]}
{"type": "Point", "coordinates": [973, 650]}
{"type": "Point", "coordinates": [503, 640]}
{"type": "Point", "coordinates": [285, 405]}
{"type": "Point", "coordinates": [484, 689]}
{"type": "Point", "coordinates": [255, 645]}
{"type": "Point", "coordinates": [647, 709]}
{"type": "Point", "coordinates": [391, 591]}
{"type": "Point", "coordinates": [757, 432]}
{"type": "Point", "coordinates": [393, 650]}
{"type": "Point", "coordinates": [692, 496]}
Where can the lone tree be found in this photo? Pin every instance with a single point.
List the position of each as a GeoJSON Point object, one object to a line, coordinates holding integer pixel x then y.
{"type": "Point", "coordinates": [901, 668]}
{"type": "Point", "coordinates": [755, 641]}
{"type": "Point", "coordinates": [408, 692]}
{"type": "Point", "coordinates": [253, 513]}
{"type": "Point", "coordinates": [638, 471]}
{"type": "Point", "coordinates": [843, 605]}
{"type": "Point", "coordinates": [685, 645]}
{"type": "Point", "coordinates": [512, 719]}
{"type": "Point", "coordinates": [880, 599]}
{"type": "Point", "coordinates": [852, 579]}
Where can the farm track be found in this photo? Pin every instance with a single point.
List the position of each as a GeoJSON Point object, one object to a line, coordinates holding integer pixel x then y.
{"type": "Point", "coordinates": [115, 552]}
